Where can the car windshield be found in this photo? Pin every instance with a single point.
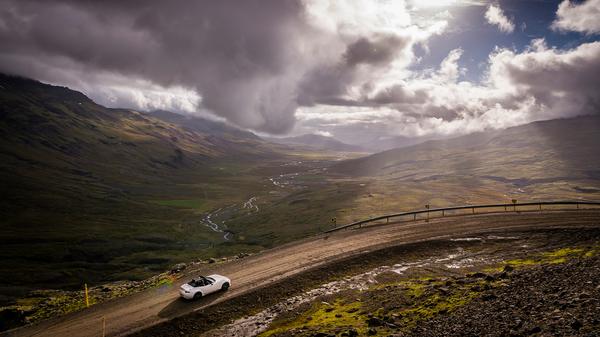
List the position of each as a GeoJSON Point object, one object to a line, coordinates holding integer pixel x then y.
{"type": "Point", "coordinates": [200, 282]}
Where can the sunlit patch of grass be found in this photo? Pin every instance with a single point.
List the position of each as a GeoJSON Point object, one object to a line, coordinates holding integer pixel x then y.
{"type": "Point", "coordinates": [563, 252]}
{"type": "Point", "coordinates": [53, 303]}
{"type": "Point", "coordinates": [493, 270]}
{"type": "Point", "coordinates": [557, 256]}
{"type": "Point", "coordinates": [165, 281]}
{"type": "Point", "coordinates": [590, 253]}
{"type": "Point", "coordinates": [522, 262]}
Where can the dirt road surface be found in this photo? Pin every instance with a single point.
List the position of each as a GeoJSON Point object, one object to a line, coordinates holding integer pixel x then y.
{"type": "Point", "coordinates": [133, 313]}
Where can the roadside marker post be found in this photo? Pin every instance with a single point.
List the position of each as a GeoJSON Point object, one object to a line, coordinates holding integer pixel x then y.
{"type": "Point", "coordinates": [87, 299]}
{"type": "Point", "coordinates": [514, 201]}
{"type": "Point", "coordinates": [103, 326]}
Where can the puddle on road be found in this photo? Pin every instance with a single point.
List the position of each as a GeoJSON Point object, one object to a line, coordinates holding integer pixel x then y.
{"type": "Point", "coordinates": [254, 325]}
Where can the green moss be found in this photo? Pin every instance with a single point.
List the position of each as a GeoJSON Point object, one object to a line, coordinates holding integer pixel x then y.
{"type": "Point", "coordinates": [561, 255]}
{"type": "Point", "coordinates": [521, 262]}
{"type": "Point", "coordinates": [493, 270]}
{"type": "Point", "coordinates": [414, 288]}
{"type": "Point", "coordinates": [563, 252]}
{"type": "Point", "coordinates": [324, 316]}
{"type": "Point", "coordinates": [434, 305]}
{"type": "Point", "coordinates": [590, 253]}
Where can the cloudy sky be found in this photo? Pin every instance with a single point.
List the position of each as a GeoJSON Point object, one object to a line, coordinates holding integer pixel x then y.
{"type": "Point", "coordinates": [358, 69]}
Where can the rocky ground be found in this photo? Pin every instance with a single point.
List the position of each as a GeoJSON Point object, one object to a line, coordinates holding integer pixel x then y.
{"type": "Point", "coordinates": [556, 299]}
{"type": "Point", "coordinates": [551, 292]}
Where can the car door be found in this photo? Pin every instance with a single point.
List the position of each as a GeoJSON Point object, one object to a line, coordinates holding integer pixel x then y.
{"type": "Point", "coordinates": [211, 287]}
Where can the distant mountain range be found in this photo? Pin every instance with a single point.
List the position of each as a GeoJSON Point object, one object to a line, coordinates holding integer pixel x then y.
{"type": "Point", "coordinates": [545, 149]}
{"type": "Point", "coordinates": [393, 142]}
{"type": "Point", "coordinates": [317, 142]}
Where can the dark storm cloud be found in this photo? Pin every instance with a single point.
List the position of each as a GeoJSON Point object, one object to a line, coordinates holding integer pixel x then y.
{"type": "Point", "coordinates": [253, 61]}
{"type": "Point", "coordinates": [379, 50]}
{"type": "Point", "coordinates": [237, 55]}
{"type": "Point", "coordinates": [329, 83]}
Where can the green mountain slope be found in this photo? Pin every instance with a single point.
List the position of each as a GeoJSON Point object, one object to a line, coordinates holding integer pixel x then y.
{"type": "Point", "coordinates": [86, 190]}
{"type": "Point", "coordinates": [541, 150]}
{"type": "Point", "coordinates": [557, 159]}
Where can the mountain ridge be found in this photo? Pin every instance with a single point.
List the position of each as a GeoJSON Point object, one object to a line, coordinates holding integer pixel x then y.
{"type": "Point", "coordinates": [317, 141]}
{"type": "Point", "coordinates": [570, 140]}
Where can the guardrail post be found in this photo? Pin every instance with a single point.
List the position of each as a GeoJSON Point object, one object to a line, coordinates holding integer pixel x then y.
{"type": "Point", "coordinates": [415, 217]}
{"type": "Point", "coordinates": [540, 207]}
{"type": "Point", "coordinates": [473, 210]}
{"type": "Point", "coordinates": [577, 205]}
{"type": "Point", "coordinates": [442, 212]}
{"type": "Point", "coordinates": [387, 220]}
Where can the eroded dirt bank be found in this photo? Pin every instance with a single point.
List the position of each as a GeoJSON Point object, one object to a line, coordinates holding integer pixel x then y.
{"type": "Point", "coordinates": [438, 287]}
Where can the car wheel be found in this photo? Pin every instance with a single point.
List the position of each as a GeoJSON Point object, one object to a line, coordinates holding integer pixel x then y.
{"type": "Point", "coordinates": [197, 295]}
{"type": "Point", "coordinates": [225, 286]}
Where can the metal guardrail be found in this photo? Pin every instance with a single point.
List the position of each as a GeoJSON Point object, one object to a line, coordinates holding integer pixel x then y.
{"type": "Point", "coordinates": [507, 207]}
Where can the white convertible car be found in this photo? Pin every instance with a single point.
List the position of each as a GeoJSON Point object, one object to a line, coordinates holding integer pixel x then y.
{"type": "Point", "coordinates": [203, 286]}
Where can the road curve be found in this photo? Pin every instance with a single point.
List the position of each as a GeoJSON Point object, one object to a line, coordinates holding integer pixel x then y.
{"type": "Point", "coordinates": [132, 313]}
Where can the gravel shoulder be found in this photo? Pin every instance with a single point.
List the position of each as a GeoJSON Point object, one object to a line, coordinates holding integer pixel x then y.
{"type": "Point", "coordinates": [294, 267]}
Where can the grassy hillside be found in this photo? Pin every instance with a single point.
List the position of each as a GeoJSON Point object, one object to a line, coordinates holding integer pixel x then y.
{"type": "Point", "coordinates": [557, 148]}
{"type": "Point", "coordinates": [542, 160]}
{"type": "Point", "coordinates": [88, 192]}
